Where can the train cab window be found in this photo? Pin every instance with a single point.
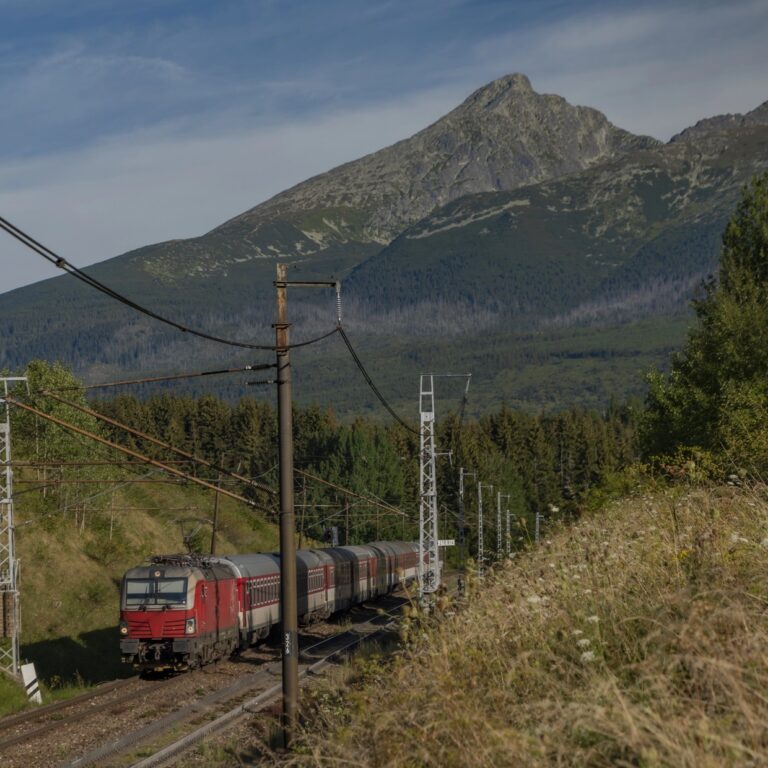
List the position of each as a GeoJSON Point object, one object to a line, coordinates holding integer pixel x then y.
{"type": "Point", "coordinates": [155, 592]}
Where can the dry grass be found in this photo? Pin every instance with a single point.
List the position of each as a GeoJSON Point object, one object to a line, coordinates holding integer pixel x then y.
{"type": "Point", "coordinates": [638, 637]}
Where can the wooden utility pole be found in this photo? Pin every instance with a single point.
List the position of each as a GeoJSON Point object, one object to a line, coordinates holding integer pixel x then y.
{"type": "Point", "coordinates": [303, 510]}
{"type": "Point", "coordinates": [288, 583]}
{"type": "Point", "coordinates": [288, 591]}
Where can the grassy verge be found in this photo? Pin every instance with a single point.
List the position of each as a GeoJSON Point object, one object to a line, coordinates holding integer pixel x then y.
{"type": "Point", "coordinates": [637, 637]}
{"type": "Point", "coordinates": [73, 557]}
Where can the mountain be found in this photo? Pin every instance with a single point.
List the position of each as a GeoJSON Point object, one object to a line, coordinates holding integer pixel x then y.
{"type": "Point", "coordinates": [513, 230]}
{"type": "Point", "coordinates": [503, 136]}
{"type": "Point", "coordinates": [629, 235]}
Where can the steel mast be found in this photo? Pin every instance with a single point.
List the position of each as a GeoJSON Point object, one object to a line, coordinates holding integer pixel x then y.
{"type": "Point", "coordinates": [499, 544]}
{"type": "Point", "coordinates": [429, 555]}
{"type": "Point", "coordinates": [462, 516]}
{"type": "Point", "coordinates": [10, 609]}
{"type": "Point", "coordinates": [480, 543]}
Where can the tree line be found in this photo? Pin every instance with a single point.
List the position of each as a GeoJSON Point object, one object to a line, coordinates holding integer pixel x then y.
{"type": "Point", "coordinates": [547, 464]}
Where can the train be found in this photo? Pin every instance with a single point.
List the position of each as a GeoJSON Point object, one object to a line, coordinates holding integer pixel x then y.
{"type": "Point", "coordinates": [179, 612]}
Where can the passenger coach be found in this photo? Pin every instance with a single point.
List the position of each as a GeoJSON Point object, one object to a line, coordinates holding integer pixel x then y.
{"type": "Point", "coordinates": [183, 611]}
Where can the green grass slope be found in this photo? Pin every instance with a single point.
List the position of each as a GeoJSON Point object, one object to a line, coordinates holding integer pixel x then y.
{"type": "Point", "coordinates": [636, 637]}
{"type": "Point", "coordinates": [73, 556]}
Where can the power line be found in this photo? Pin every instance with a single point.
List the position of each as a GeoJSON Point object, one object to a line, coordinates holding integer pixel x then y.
{"type": "Point", "coordinates": [160, 443]}
{"type": "Point", "coordinates": [370, 383]}
{"type": "Point", "coordinates": [348, 492]}
{"type": "Point", "coordinates": [76, 272]}
{"type": "Point", "coordinates": [156, 379]}
{"type": "Point", "coordinates": [135, 454]}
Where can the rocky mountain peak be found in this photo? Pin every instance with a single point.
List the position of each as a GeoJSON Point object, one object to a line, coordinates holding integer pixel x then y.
{"type": "Point", "coordinates": [500, 91]}
{"type": "Point", "coordinates": [720, 123]}
{"type": "Point", "coordinates": [504, 135]}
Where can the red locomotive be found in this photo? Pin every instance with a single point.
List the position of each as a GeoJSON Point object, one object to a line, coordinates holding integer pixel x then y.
{"type": "Point", "coordinates": [183, 611]}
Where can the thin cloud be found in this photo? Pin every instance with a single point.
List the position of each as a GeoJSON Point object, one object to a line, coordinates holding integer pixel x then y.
{"type": "Point", "coordinates": [96, 203]}
{"type": "Point", "coordinates": [137, 133]}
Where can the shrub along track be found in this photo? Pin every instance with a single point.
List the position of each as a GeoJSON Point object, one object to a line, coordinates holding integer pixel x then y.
{"type": "Point", "coordinates": [108, 725]}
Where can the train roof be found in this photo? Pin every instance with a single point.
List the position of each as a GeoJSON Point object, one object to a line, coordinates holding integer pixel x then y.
{"type": "Point", "coordinates": [260, 564]}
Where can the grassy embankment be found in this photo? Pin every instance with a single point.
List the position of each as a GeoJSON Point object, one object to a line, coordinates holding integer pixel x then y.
{"type": "Point", "coordinates": [637, 637]}
{"type": "Point", "coordinates": [72, 563]}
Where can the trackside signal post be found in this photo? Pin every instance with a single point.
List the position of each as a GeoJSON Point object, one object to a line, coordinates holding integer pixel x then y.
{"type": "Point", "coordinates": [288, 583]}
{"type": "Point", "coordinates": [10, 613]}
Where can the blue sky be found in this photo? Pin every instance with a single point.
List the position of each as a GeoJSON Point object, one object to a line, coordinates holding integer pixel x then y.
{"type": "Point", "coordinates": [134, 121]}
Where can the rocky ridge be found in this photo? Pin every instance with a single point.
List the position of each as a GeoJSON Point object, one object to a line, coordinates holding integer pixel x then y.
{"type": "Point", "coordinates": [501, 137]}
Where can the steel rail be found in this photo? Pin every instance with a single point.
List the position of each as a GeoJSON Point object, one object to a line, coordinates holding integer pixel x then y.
{"type": "Point", "coordinates": [53, 725]}
{"type": "Point", "coordinates": [34, 714]}
{"type": "Point", "coordinates": [254, 705]}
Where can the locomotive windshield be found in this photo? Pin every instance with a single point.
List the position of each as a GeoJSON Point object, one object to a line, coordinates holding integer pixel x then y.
{"type": "Point", "coordinates": [155, 591]}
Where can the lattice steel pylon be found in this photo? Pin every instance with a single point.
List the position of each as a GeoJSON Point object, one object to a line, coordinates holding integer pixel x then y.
{"type": "Point", "coordinates": [480, 531]}
{"type": "Point", "coordinates": [499, 535]}
{"type": "Point", "coordinates": [429, 554]}
{"type": "Point", "coordinates": [10, 614]}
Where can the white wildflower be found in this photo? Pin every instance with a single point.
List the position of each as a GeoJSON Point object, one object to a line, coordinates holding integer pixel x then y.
{"type": "Point", "coordinates": [588, 656]}
{"type": "Point", "coordinates": [593, 619]}
{"type": "Point", "coordinates": [534, 599]}
{"type": "Point", "coordinates": [764, 543]}
{"type": "Point", "coordinates": [587, 591]}
{"type": "Point", "coordinates": [577, 632]}
{"type": "Point", "coordinates": [583, 642]}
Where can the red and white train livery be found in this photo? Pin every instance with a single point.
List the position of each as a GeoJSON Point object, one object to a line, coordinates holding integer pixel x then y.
{"type": "Point", "coordinates": [183, 611]}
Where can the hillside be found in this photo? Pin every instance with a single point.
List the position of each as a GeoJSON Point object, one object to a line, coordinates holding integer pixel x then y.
{"type": "Point", "coordinates": [75, 543]}
{"type": "Point", "coordinates": [635, 637]}
{"type": "Point", "coordinates": [516, 214]}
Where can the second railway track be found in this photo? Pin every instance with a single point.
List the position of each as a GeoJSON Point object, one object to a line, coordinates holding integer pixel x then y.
{"type": "Point", "coordinates": [116, 726]}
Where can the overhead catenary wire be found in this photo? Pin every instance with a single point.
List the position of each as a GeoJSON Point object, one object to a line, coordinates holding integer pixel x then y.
{"type": "Point", "coordinates": [373, 386]}
{"type": "Point", "coordinates": [160, 443]}
{"type": "Point", "coordinates": [349, 492]}
{"type": "Point", "coordinates": [76, 272]}
{"type": "Point", "coordinates": [172, 377]}
{"type": "Point", "coordinates": [135, 454]}
{"type": "Point", "coordinates": [62, 263]}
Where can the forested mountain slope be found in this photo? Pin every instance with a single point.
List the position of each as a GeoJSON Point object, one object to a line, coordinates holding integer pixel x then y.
{"type": "Point", "coordinates": [515, 214]}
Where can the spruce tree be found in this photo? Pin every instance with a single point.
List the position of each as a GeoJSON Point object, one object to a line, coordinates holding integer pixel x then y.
{"type": "Point", "coordinates": [716, 395]}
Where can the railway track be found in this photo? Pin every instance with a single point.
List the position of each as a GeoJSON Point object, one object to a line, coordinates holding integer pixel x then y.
{"type": "Point", "coordinates": [29, 725]}
{"type": "Point", "coordinates": [169, 754]}
{"type": "Point", "coordinates": [114, 723]}
{"type": "Point", "coordinates": [265, 683]}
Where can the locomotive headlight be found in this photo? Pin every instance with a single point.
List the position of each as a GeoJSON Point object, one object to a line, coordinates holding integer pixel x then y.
{"type": "Point", "coordinates": [190, 627]}
{"type": "Point", "coordinates": [123, 627]}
